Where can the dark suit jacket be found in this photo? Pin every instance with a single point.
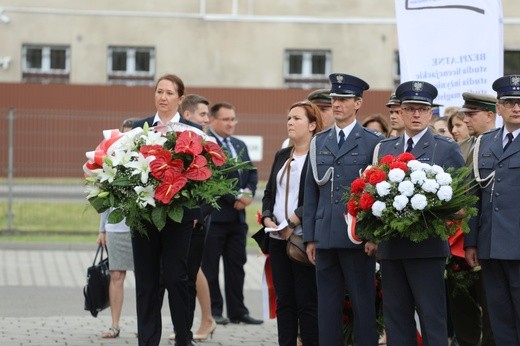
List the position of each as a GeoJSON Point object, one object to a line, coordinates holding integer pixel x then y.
{"type": "Point", "coordinates": [248, 178]}
{"type": "Point", "coordinates": [270, 189]}
{"type": "Point", "coordinates": [431, 149]}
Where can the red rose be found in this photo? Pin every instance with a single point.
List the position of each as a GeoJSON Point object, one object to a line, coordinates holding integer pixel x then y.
{"type": "Point", "coordinates": [377, 176]}
{"type": "Point", "coordinates": [400, 165]}
{"type": "Point", "coordinates": [188, 142]}
{"type": "Point", "coordinates": [366, 201]}
{"type": "Point", "coordinates": [405, 157]}
{"type": "Point", "coordinates": [357, 185]}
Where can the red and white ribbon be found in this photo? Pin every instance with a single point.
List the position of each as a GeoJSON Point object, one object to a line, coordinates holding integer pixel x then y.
{"type": "Point", "coordinates": [351, 228]}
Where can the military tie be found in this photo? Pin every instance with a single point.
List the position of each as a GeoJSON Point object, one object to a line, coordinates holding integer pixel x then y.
{"type": "Point", "coordinates": [509, 140]}
{"type": "Point", "coordinates": [341, 138]}
{"type": "Point", "coordinates": [410, 145]}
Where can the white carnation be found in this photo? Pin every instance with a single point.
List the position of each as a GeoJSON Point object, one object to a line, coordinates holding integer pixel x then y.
{"type": "Point", "coordinates": [443, 178]}
{"type": "Point", "coordinates": [396, 175]}
{"type": "Point", "coordinates": [419, 202]}
{"type": "Point", "coordinates": [418, 177]}
{"type": "Point", "coordinates": [406, 188]}
{"type": "Point", "coordinates": [383, 188]}
{"type": "Point", "coordinates": [377, 208]}
{"type": "Point", "coordinates": [445, 193]}
{"type": "Point", "coordinates": [430, 185]}
{"type": "Point", "coordinates": [437, 169]}
{"type": "Point", "coordinates": [400, 202]}
{"type": "Point", "coordinates": [414, 165]}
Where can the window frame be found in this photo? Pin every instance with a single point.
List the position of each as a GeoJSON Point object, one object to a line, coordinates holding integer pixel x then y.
{"type": "Point", "coordinates": [307, 79]}
{"type": "Point", "coordinates": [131, 76]}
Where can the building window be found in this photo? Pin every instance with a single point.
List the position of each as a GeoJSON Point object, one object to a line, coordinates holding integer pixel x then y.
{"type": "Point", "coordinates": [397, 69]}
{"type": "Point", "coordinates": [307, 68]}
{"type": "Point", "coordinates": [511, 62]}
{"type": "Point", "coordinates": [131, 65]}
{"type": "Point", "coordinates": [45, 64]}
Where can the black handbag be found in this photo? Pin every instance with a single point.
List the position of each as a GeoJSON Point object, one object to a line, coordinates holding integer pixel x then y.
{"type": "Point", "coordinates": [262, 239]}
{"type": "Point", "coordinates": [98, 281]}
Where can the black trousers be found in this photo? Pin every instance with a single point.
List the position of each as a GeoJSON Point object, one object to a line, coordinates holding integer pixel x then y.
{"type": "Point", "coordinates": [296, 297]}
{"type": "Point", "coordinates": [167, 248]}
{"type": "Point", "coordinates": [226, 240]}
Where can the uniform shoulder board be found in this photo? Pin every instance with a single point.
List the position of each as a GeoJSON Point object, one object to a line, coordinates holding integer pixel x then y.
{"type": "Point", "coordinates": [372, 132]}
{"type": "Point", "coordinates": [491, 131]}
{"type": "Point", "coordinates": [323, 131]}
{"type": "Point", "coordinates": [391, 139]}
{"type": "Point", "coordinates": [444, 138]}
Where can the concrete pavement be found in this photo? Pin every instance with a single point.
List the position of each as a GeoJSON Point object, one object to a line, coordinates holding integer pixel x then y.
{"type": "Point", "coordinates": [41, 301]}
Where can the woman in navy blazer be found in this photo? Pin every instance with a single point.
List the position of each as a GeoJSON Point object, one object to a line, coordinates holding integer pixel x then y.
{"type": "Point", "coordinates": [294, 283]}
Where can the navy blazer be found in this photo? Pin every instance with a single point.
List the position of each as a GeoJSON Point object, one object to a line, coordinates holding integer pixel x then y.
{"type": "Point", "coordinates": [268, 200]}
{"type": "Point", "coordinates": [431, 149]}
{"type": "Point", "coordinates": [324, 206]}
{"type": "Point", "coordinates": [495, 231]}
{"type": "Point", "coordinates": [247, 178]}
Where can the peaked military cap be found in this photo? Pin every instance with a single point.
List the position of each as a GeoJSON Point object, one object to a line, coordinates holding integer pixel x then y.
{"type": "Point", "coordinates": [344, 85]}
{"type": "Point", "coordinates": [416, 92]}
{"type": "Point", "coordinates": [478, 102]}
{"type": "Point", "coordinates": [507, 87]}
{"type": "Point", "coordinates": [393, 101]}
{"type": "Point", "coordinates": [320, 97]}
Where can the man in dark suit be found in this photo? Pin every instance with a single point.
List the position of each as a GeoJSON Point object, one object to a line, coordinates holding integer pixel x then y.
{"type": "Point", "coordinates": [228, 228]}
{"type": "Point", "coordinates": [413, 273]}
{"type": "Point", "coordinates": [336, 157]}
{"type": "Point", "coordinates": [495, 233]}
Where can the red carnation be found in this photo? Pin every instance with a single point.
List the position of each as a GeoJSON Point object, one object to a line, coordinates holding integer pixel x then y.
{"type": "Point", "coordinates": [386, 160]}
{"type": "Point", "coordinates": [399, 164]}
{"type": "Point", "coordinates": [366, 201]}
{"type": "Point", "coordinates": [352, 207]}
{"type": "Point", "coordinates": [215, 151]}
{"type": "Point", "coordinates": [376, 177]}
{"type": "Point", "coordinates": [357, 185]}
{"type": "Point", "coordinates": [405, 157]}
{"type": "Point", "coordinates": [188, 142]}
{"type": "Point", "coordinates": [367, 173]}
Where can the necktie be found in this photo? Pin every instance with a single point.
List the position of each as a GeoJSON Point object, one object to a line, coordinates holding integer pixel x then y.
{"type": "Point", "coordinates": [341, 138]}
{"type": "Point", "coordinates": [227, 145]}
{"type": "Point", "coordinates": [410, 145]}
{"type": "Point", "coordinates": [509, 140]}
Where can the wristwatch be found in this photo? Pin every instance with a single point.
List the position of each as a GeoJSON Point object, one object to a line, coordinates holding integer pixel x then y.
{"type": "Point", "coordinates": [291, 224]}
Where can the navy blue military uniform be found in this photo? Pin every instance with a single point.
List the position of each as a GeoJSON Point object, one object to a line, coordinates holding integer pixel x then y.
{"type": "Point", "coordinates": [340, 264]}
{"type": "Point", "coordinates": [413, 273]}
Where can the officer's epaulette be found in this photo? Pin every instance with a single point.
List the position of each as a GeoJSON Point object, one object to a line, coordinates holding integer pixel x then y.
{"type": "Point", "coordinates": [444, 138]}
{"type": "Point", "coordinates": [323, 131]}
{"type": "Point", "coordinates": [391, 139]}
{"type": "Point", "coordinates": [372, 132]}
{"type": "Point", "coordinates": [491, 131]}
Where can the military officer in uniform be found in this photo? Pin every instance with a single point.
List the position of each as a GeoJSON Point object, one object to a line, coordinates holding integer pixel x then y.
{"type": "Point", "coordinates": [495, 231]}
{"type": "Point", "coordinates": [413, 273]}
{"type": "Point", "coordinates": [336, 157]}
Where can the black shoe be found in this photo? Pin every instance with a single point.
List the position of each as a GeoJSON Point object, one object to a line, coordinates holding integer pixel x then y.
{"type": "Point", "coordinates": [246, 319]}
{"type": "Point", "coordinates": [221, 319]}
{"type": "Point", "coordinates": [192, 343]}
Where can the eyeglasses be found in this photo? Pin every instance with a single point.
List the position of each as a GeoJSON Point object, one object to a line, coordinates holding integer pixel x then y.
{"type": "Point", "coordinates": [510, 103]}
{"type": "Point", "coordinates": [421, 110]}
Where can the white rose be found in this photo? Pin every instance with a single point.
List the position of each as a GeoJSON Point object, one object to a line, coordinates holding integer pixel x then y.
{"type": "Point", "coordinates": [377, 208]}
{"type": "Point", "coordinates": [430, 185]}
{"type": "Point", "coordinates": [396, 175]}
{"type": "Point", "coordinates": [443, 178]}
{"type": "Point", "coordinates": [445, 193]}
{"type": "Point", "coordinates": [418, 177]}
{"type": "Point", "coordinates": [419, 202]}
{"type": "Point", "coordinates": [406, 188]}
{"type": "Point", "coordinates": [400, 202]}
{"type": "Point", "coordinates": [383, 188]}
